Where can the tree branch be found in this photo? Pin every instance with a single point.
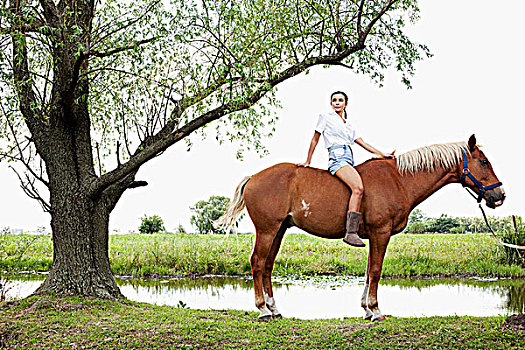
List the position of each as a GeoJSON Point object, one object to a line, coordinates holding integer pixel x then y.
{"type": "Point", "coordinates": [50, 12]}
{"type": "Point", "coordinates": [359, 15]}
{"type": "Point", "coordinates": [25, 89]}
{"type": "Point", "coordinates": [84, 55]}
{"type": "Point", "coordinates": [153, 145]}
{"type": "Point", "coordinates": [156, 145]}
{"type": "Point", "coordinates": [363, 35]}
{"type": "Point", "coordinates": [127, 25]}
{"type": "Point", "coordinates": [118, 49]}
{"type": "Point", "coordinates": [21, 155]}
{"type": "Point", "coordinates": [136, 184]}
{"type": "Point", "coordinates": [34, 27]}
{"type": "Point", "coordinates": [32, 192]}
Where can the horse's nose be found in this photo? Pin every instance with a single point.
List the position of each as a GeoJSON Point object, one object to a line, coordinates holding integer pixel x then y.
{"type": "Point", "coordinates": [503, 194]}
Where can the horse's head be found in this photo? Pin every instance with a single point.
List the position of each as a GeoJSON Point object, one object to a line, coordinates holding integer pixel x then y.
{"type": "Point", "coordinates": [478, 175]}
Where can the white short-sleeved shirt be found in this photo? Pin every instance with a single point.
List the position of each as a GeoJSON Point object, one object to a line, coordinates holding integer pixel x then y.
{"type": "Point", "coordinates": [335, 131]}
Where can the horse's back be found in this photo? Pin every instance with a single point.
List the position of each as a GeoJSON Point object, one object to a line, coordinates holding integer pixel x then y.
{"type": "Point", "coordinates": [311, 198]}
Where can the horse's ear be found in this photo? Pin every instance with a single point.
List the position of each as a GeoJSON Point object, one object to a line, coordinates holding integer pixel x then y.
{"type": "Point", "coordinates": [472, 142]}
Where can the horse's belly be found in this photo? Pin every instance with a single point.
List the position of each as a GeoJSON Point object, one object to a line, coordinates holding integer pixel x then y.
{"type": "Point", "coordinates": [320, 214]}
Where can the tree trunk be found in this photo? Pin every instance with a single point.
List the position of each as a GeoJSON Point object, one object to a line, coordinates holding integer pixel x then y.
{"type": "Point", "coordinates": [79, 222]}
{"type": "Point", "coordinates": [80, 251]}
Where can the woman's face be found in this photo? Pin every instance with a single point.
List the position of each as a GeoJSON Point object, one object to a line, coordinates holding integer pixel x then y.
{"type": "Point", "coordinates": [338, 103]}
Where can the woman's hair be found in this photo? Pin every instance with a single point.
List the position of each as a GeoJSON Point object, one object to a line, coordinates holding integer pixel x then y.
{"type": "Point", "coordinates": [346, 99]}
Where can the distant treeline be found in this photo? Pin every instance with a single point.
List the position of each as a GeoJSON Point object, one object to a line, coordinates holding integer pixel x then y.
{"type": "Point", "coordinates": [418, 222]}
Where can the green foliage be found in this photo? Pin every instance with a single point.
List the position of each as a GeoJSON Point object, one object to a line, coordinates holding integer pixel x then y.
{"type": "Point", "coordinates": [419, 222]}
{"type": "Point", "coordinates": [151, 224]}
{"type": "Point", "coordinates": [206, 212]}
{"type": "Point", "coordinates": [513, 234]}
{"type": "Point", "coordinates": [182, 305]}
{"type": "Point", "coordinates": [148, 65]}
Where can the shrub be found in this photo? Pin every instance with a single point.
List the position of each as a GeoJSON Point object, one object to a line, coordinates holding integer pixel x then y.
{"type": "Point", "coordinates": [513, 233]}
{"type": "Point", "coordinates": [443, 224]}
{"type": "Point", "coordinates": [207, 212]}
{"type": "Point", "coordinates": [417, 215]}
{"type": "Point", "coordinates": [457, 229]}
{"type": "Point", "coordinates": [417, 227]}
{"type": "Point", "coordinates": [151, 224]}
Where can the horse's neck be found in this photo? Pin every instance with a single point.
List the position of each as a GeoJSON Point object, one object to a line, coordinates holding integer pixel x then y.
{"type": "Point", "coordinates": [420, 185]}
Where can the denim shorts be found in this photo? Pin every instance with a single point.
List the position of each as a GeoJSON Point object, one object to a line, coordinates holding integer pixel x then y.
{"type": "Point", "coordinates": [338, 157]}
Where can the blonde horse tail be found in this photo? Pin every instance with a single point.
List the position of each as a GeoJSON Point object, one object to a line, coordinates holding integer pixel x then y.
{"type": "Point", "coordinates": [234, 210]}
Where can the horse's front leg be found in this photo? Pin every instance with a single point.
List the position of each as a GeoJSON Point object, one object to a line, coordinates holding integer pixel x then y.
{"type": "Point", "coordinates": [378, 244]}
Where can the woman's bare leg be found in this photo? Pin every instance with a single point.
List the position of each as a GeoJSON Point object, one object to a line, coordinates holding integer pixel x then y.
{"type": "Point", "coordinates": [352, 179]}
{"type": "Point", "coordinates": [353, 217]}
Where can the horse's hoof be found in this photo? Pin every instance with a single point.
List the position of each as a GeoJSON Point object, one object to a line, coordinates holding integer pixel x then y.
{"type": "Point", "coordinates": [278, 316]}
{"type": "Point", "coordinates": [368, 317]}
{"type": "Point", "coordinates": [266, 318]}
{"type": "Point", "coordinates": [379, 319]}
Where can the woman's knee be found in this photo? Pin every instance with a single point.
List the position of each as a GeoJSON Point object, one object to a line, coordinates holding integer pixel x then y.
{"type": "Point", "coordinates": [357, 190]}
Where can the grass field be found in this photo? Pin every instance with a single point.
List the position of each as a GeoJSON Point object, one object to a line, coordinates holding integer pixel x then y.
{"type": "Point", "coordinates": [80, 323]}
{"type": "Point", "coordinates": [95, 324]}
{"type": "Point", "coordinates": [185, 254]}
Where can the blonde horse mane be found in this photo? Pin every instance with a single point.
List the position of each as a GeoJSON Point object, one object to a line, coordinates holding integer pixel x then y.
{"type": "Point", "coordinates": [445, 155]}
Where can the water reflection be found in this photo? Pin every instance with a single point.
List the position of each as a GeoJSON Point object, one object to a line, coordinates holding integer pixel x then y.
{"type": "Point", "coordinates": [515, 301]}
{"type": "Point", "coordinates": [512, 291]}
{"type": "Point", "coordinates": [324, 296]}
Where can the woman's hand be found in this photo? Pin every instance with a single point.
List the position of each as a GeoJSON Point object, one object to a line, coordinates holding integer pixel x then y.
{"type": "Point", "coordinates": [311, 150]}
{"type": "Point", "coordinates": [390, 155]}
{"type": "Point", "coordinates": [375, 151]}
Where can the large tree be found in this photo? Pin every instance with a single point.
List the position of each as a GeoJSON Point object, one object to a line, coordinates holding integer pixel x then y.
{"type": "Point", "coordinates": [83, 80]}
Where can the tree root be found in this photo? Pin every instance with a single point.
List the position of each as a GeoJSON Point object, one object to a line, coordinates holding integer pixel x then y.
{"type": "Point", "coordinates": [515, 323]}
{"type": "Point", "coordinates": [56, 305]}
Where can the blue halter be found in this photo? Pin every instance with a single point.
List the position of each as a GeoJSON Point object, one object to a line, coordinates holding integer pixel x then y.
{"type": "Point", "coordinates": [467, 173]}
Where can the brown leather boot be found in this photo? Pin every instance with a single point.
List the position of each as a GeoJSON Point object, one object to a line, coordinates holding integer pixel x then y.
{"type": "Point", "coordinates": [352, 226]}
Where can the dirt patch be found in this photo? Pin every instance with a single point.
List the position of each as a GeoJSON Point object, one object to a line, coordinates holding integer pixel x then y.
{"type": "Point", "coordinates": [352, 329]}
{"type": "Point", "coordinates": [6, 335]}
{"type": "Point", "coordinates": [515, 323]}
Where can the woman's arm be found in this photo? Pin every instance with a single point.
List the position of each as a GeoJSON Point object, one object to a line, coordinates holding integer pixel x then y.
{"type": "Point", "coordinates": [313, 144]}
{"type": "Point", "coordinates": [371, 149]}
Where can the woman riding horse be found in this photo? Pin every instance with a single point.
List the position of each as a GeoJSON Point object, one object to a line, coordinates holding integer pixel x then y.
{"type": "Point", "coordinates": [339, 134]}
{"type": "Point", "coordinates": [286, 195]}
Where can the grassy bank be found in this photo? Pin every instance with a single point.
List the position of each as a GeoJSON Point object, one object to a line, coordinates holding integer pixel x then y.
{"type": "Point", "coordinates": [170, 254]}
{"type": "Point", "coordinates": [80, 323]}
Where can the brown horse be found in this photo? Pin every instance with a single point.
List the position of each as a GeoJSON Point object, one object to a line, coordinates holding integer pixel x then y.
{"type": "Point", "coordinates": [286, 195]}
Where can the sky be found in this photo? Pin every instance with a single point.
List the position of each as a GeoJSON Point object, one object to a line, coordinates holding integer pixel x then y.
{"type": "Point", "coordinates": [472, 85]}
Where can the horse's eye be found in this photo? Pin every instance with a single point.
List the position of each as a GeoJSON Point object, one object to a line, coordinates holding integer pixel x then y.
{"type": "Point", "coordinates": [484, 162]}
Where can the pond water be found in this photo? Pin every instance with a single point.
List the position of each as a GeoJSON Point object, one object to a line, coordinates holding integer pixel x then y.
{"type": "Point", "coordinates": [322, 296]}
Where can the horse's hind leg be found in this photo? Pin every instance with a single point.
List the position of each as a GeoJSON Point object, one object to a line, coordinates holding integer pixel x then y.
{"type": "Point", "coordinates": [364, 298]}
{"type": "Point", "coordinates": [268, 268]}
{"type": "Point", "coordinates": [263, 243]}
